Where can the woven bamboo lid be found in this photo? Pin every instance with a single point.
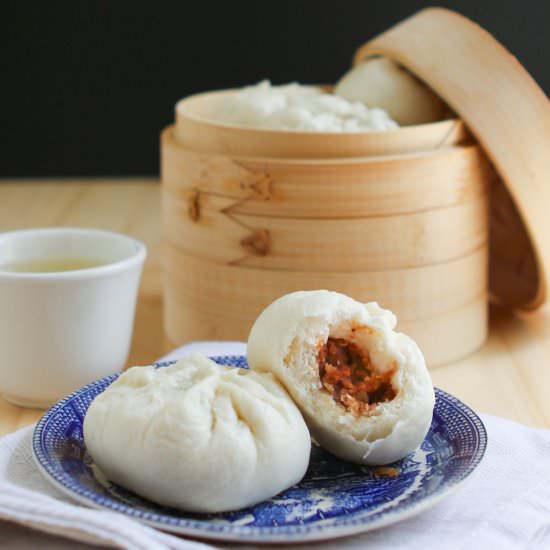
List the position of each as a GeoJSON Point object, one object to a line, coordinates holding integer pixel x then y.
{"type": "Point", "coordinates": [509, 116]}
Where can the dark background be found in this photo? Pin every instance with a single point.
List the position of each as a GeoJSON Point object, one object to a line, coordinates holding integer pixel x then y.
{"type": "Point", "coordinates": [87, 85]}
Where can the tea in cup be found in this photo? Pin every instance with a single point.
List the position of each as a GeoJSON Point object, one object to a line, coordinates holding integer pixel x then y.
{"type": "Point", "coordinates": [67, 304]}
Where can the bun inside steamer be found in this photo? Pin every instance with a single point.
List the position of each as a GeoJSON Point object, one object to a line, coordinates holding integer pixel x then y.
{"type": "Point", "coordinates": [364, 389]}
{"type": "Point", "coordinates": [382, 82]}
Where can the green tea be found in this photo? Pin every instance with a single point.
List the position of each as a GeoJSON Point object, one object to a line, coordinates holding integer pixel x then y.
{"type": "Point", "coordinates": [51, 265]}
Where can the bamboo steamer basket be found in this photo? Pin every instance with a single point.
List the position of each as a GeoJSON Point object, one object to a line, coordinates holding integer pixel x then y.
{"type": "Point", "coordinates": [399, 217]}
{"type": "Point", "coordinates": [250, 215]}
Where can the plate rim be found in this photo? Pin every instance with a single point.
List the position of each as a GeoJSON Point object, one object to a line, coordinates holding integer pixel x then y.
{"type": "Point", "coordinates": [257, 534]}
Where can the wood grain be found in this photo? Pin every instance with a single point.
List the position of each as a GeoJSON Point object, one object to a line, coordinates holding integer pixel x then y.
{"type": "Point", "coordinates": [508, 376]}
{"type": "Point", "coordinates": [344, 188]}
{"type": "Point", "coordinates": [349, 244]}
{"type": "Point", "coordinates": [440, 288]}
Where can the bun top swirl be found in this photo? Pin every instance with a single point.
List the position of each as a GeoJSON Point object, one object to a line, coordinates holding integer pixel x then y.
{"type": "Point", "coordinates": [197, 435]}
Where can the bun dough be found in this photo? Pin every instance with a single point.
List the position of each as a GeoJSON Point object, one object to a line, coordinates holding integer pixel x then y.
{"type": "Point", "coordinates": [198, 436]}
{"type": "Point", "coordinates": [293, 337]}
{"type": "Point", "coordinates": [381, 82]}
{"type": "Point", "coordinates": [301, 108]}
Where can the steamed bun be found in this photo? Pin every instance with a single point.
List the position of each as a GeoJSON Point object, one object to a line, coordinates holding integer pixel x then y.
{"type": "Point", "coordinates": [364, 390]}
{"type": "Point", "coordinates": [381, 82]}
{"type": "Point", "coordinates": [198, 436]}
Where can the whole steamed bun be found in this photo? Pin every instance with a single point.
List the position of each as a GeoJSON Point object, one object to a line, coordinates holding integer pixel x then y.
{"type": "Point", "coordinates": [198, 436]}
{"type": "Point", "coordinates": [364, 389]}
{"type": "Point", "coordinates": [381, 82]}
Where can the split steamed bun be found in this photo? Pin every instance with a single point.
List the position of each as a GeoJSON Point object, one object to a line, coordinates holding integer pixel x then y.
{"type": "Point", "coordinates": [198, 436]}
{"type": "Point", "coordinates": [382, 82]}
{"type": "Point", "coordinates": [364, 390]}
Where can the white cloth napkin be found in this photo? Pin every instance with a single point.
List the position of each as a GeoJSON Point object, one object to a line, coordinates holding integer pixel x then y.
{"type": "Point", "coordinates": [505, 505]}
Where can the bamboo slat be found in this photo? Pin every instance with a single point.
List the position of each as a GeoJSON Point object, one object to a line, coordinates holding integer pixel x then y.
{"type": "Point", "coordinates": [451, 336]}
{"type": "Point", "coordinates": [353, 244]}
{"type": "Point", "coordinates": [208, 301]}
{"type": "Point", "coordinates": [333, 188]}
{"type": "Point", "coordinates": [233, 294]}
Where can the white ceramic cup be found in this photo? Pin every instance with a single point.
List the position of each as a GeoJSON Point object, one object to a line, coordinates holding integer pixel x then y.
{"type": "Point", "coordinates": [61, 330]}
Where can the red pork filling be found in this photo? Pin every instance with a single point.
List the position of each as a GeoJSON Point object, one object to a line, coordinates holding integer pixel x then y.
{"type": "Point", "coordinates": [348, 375]}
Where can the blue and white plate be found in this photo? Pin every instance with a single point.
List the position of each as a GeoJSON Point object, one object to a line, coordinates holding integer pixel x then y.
{"type": "Point", "coordinates": [334, 499]}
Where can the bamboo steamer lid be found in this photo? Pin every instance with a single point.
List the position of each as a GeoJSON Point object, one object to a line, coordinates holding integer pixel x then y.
{"type": "Point", "coordinates": [510, 117]}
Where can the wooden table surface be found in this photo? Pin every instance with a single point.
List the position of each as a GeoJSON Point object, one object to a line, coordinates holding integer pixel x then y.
{"type": "Point", "coordinates": [509, 376]}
